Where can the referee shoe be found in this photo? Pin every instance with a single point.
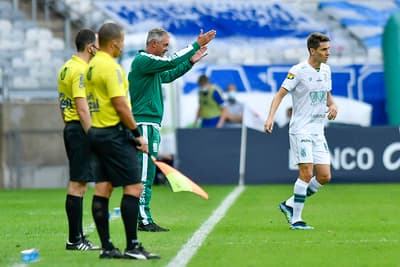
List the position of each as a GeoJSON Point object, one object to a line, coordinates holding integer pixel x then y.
{"type": "Point", "coordinates": [91, 245]}
{"type": "Point", "coordinates": [82, 244]}
{"type": "Point", "coordinates": [111, 254]}
{"type": "Point", "coordinates": [139, 253]}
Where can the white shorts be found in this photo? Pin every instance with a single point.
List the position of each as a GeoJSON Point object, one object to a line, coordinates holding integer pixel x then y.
{"type": "Point", "coordinates": [309, 148]}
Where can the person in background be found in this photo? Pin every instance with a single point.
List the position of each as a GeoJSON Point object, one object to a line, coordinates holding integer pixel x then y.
{"type": "Point", "coordinates": [234, 108]}
{"type": "Point", "coordinates": [212, 107]}
{"type": "Point", "coordinates": [289, 113]}
{"type": "Point", "coordinates": [310, 85]}
{"type": "Point", "coordinates": [75, 114]}
{"type": "Point", "coordinates": [115, 137]}
{"type": "Point", "coordinates": [149, 70]}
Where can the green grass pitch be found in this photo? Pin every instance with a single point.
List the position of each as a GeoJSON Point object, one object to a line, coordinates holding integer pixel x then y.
{"type": "Point", "coordinates": [355, 225]}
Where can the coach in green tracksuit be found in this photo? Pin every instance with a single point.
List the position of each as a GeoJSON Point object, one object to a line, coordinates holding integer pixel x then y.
{"type": "Point", "coordinates": [148, 71]}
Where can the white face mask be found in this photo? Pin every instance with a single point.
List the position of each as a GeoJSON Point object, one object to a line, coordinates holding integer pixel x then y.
{"type": "Point", "coordinates": [204, 89]}
{"type": "Point", "coordinates": [231, 95]}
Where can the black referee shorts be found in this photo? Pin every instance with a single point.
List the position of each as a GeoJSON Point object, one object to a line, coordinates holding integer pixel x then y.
{"type": "Point", "coordinates": [117, 155]}
{"type": "Point", "coordinates": [83, 162]}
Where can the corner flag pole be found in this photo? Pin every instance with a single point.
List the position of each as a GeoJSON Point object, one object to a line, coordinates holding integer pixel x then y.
{"type": "Point", "coordinates": [251, 119]}
{"type": "Point", "coordinates": [243, 147]}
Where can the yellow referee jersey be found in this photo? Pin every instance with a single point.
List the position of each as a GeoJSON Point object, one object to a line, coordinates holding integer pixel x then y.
{"type": "Point", "coordinates": [104, 80]}
{"type": "Point", "coordinates": [70, 86]}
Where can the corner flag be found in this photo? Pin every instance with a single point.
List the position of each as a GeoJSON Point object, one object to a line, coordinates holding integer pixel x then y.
{"type": "Point", "coordinates": [178, 181]}
{"type": "Point", "coordinates": [252, 119]}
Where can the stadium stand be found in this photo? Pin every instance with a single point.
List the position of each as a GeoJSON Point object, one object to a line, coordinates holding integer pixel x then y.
{"type": "Point", "coordinates": [267, 25]}
{"type": "Point", "coordinates": [31, 55]}
{"type": "Point", "coordinates": [81, 12]}
{"type": "Point", "coordinates": [365, 20]}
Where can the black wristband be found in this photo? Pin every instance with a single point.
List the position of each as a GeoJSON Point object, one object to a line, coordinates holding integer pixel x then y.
{"type": "Point", "coordinates": [136, 132]}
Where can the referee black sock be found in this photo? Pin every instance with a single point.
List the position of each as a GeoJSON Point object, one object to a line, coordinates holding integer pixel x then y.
{"type": "Point", "coordinates": [73, 207]}
{"type": "Point", "coordinates": [100, 216]}
{"type": "Point", "coordinates": [129, 214]}
{"type": "Point", "coordinates": [80, 224]}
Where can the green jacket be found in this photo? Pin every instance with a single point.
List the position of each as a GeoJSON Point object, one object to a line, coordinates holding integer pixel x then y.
{"type": "Point", "coordinates": [147, 74]}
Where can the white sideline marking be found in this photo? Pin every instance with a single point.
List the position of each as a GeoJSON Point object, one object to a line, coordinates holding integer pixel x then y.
{"type": "Point", "coordinates": [193, 244]}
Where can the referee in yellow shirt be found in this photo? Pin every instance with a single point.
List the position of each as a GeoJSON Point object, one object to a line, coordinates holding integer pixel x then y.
{"type": "Point", "coordinates": [115, 139]}
{"type": "Point", "coordinates": [75, 113]}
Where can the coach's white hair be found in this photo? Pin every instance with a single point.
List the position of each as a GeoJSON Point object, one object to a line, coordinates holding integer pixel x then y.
{"type": "Point", "coordinates": [155, 34]}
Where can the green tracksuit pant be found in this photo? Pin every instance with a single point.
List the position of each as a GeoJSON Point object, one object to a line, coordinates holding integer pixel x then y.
{"type": "Point", "coordinates": [148, 171]}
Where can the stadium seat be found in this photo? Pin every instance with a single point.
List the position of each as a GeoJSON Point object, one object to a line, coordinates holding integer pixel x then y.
{"type": "Point", "coordinates": [31, 35]}
{"type": "Point", "coordinates": [44, 34]}
{"type": "Point", "coordinates": [364, 19]}
{"type": "Point", "coordinates": [18, 62]}
{"type": "Point", "coordinates": [5, 25]}
{"type": "Point", "coordinates": [24, 24]}
{"type": "Point", "coordinates": [374, 55]}
{"type": "Point", "coordinates": [236, 55]}
{"type": "Point", "coordinates": [56, 44]}
{"type": "Point", "coordinates": [23, 82]}
{"type": "Point", "coordinates": [56, 63]}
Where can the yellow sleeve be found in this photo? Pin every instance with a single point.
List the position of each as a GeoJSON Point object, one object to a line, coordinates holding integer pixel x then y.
{"type": "Point", "coordinates": [78, 86]}
{"type": "Point", "coordinates": [115, 83]}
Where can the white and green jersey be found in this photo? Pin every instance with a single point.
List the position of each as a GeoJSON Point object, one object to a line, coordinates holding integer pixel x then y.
{"type": "Point", "coordinates": [308, 87]}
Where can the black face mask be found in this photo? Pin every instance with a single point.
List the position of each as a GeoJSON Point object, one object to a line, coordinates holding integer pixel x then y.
{"type": "Point", "coordinates": [231, 100]}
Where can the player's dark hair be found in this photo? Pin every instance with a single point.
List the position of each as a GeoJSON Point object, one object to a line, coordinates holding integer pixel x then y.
{"type": "Point", "coordinates": [203, 80]}
{"type": "Point", "coordinates": [155, 34]}
{"type": "Point", "coordinates": [108, 32]}
{"type": "Point", "coordinates": [83, 38]}
{"type": "Point", "coordinates": [314, 40]}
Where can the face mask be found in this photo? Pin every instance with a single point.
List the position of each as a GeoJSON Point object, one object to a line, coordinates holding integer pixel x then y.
{"type": "Point", "coordinates": [231, 95]}
{"type": "Point", "coordinates": [204, 89]}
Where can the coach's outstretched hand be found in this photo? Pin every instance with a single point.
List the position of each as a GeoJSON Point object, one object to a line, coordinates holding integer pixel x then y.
{"type": "Point", "coordinates": [205, 38]}
{"type": "Point", "coordinates": [202, 52]}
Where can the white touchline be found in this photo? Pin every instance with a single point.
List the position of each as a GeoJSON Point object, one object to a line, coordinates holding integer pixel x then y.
{"type": "Point", "coordinates": [189, 249]}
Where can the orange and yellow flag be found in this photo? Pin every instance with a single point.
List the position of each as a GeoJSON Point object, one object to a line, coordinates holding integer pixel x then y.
{"type": "Point", "coordinates": [178, 181]}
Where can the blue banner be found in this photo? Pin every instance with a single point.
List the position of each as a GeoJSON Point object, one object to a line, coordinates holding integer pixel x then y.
{"type": "Point", "coordinates": [358, 155]}
{"type": "Point", "coordinates": [358, 82]}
